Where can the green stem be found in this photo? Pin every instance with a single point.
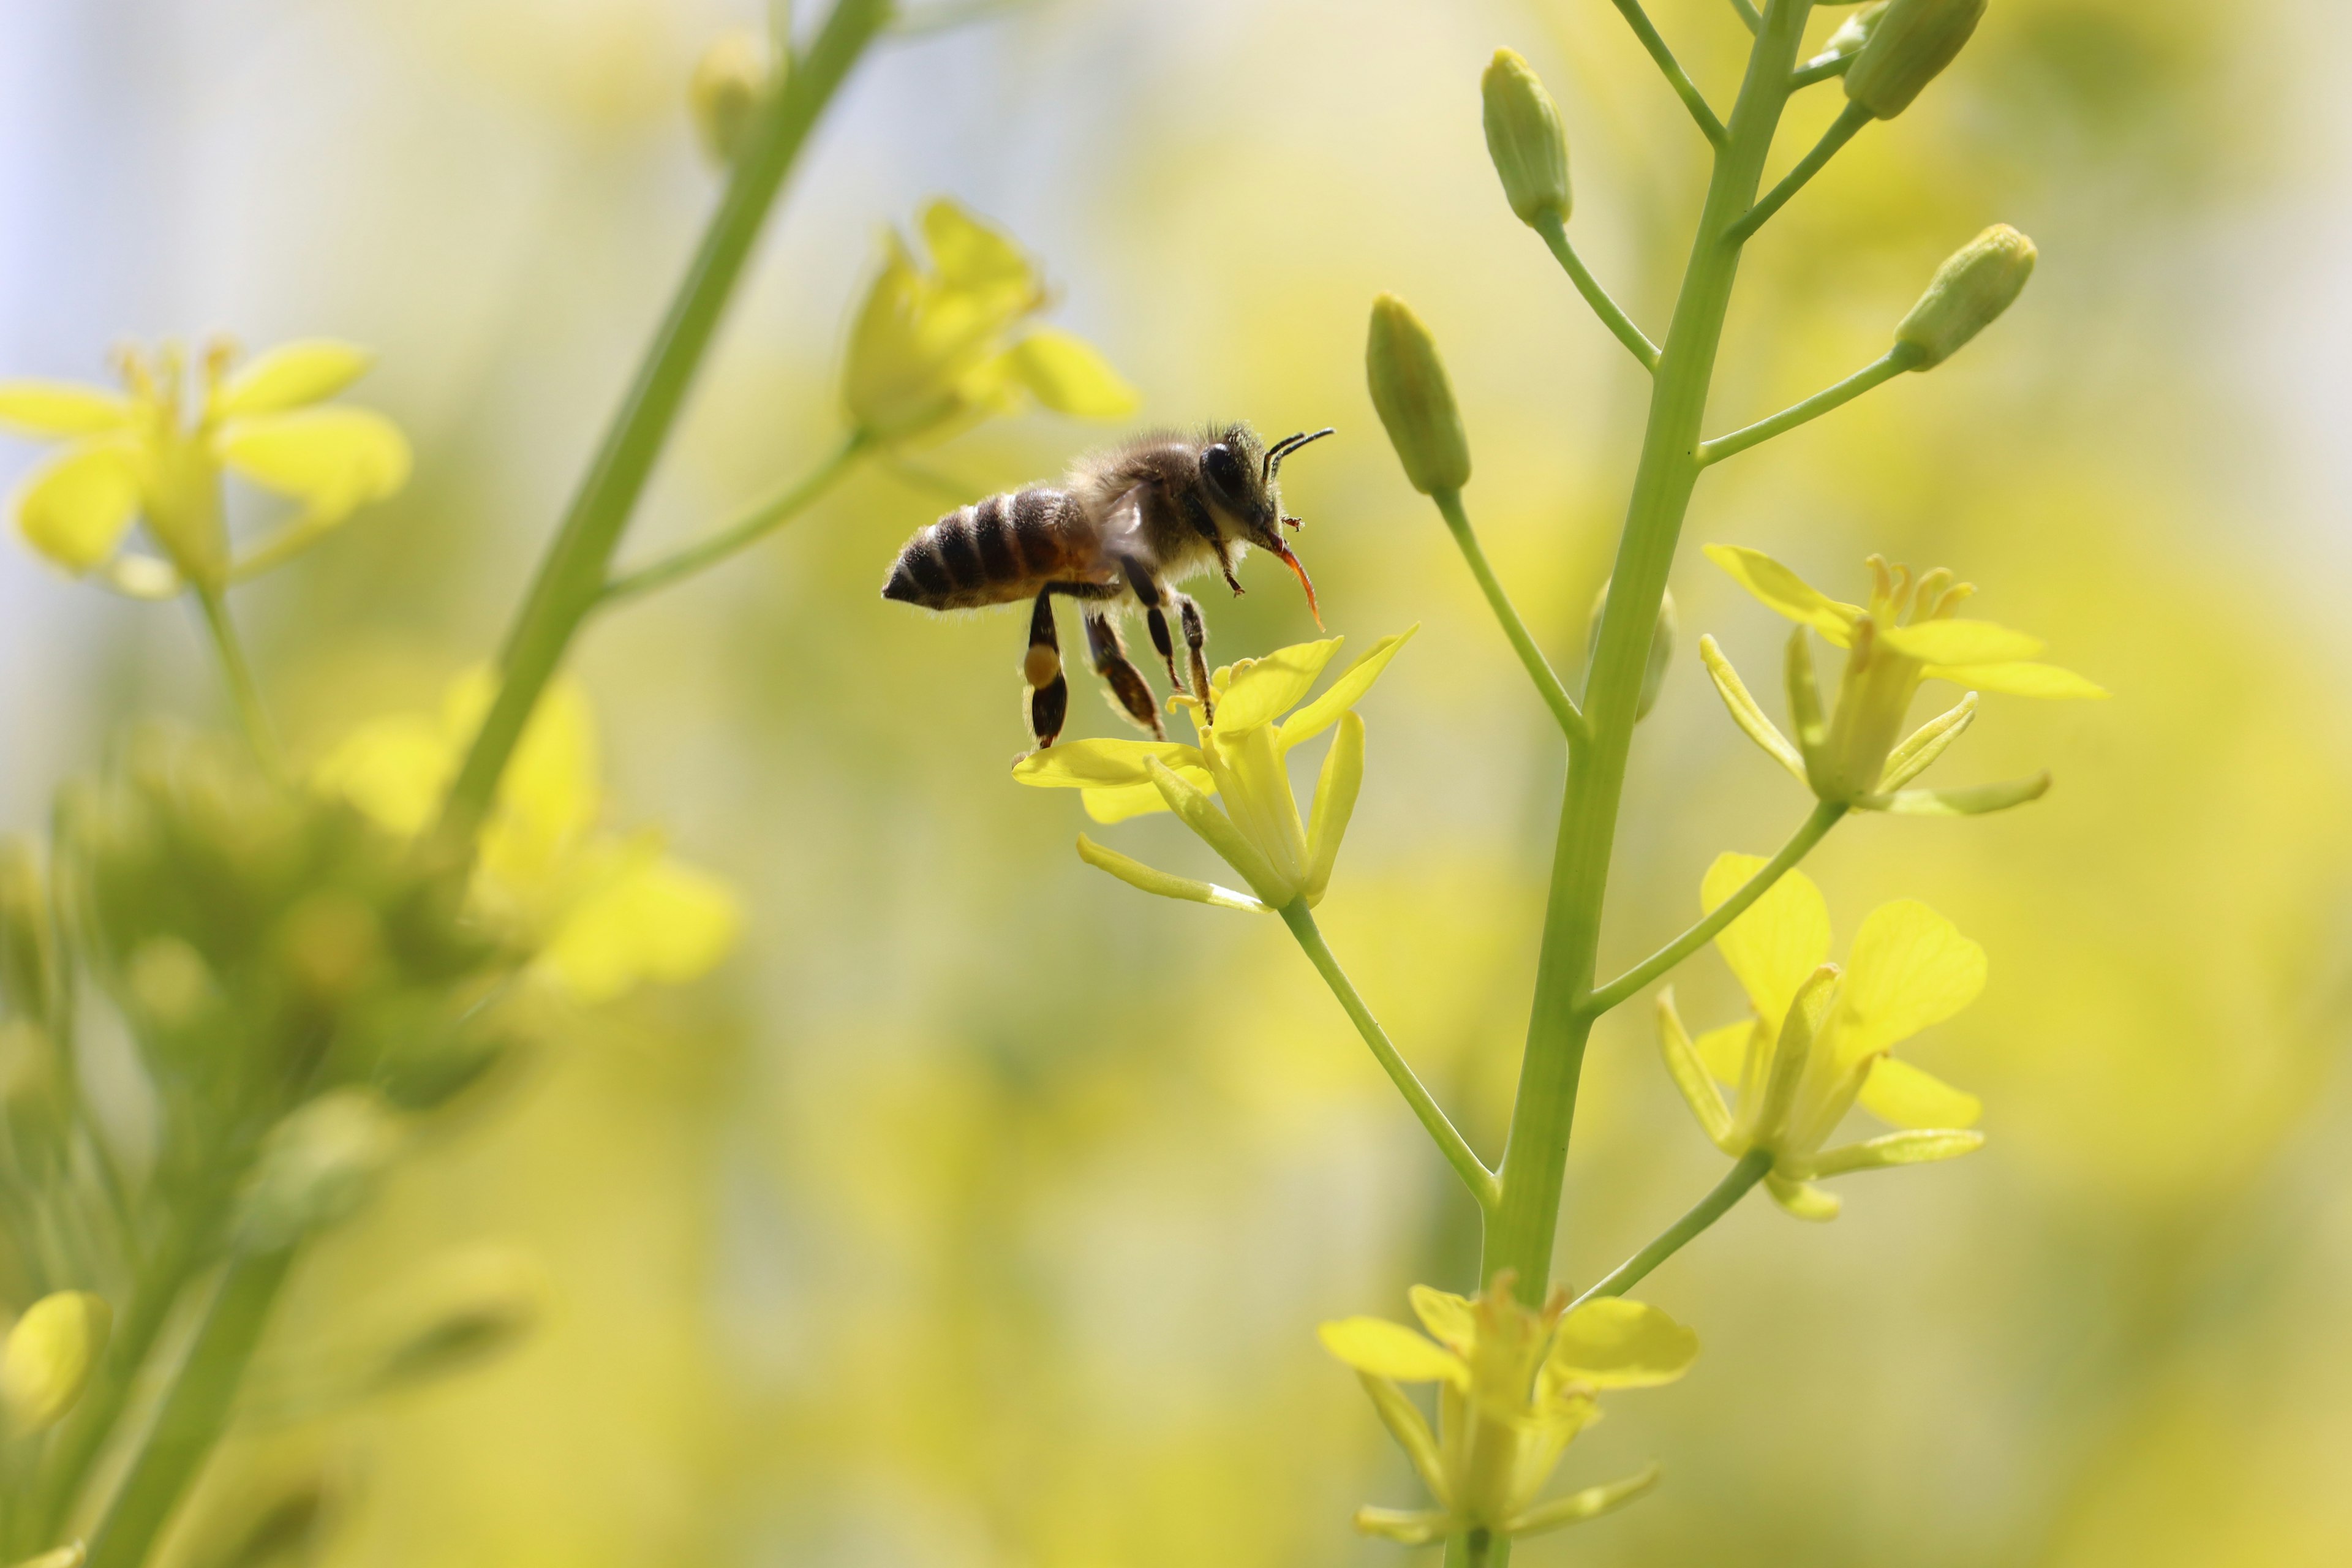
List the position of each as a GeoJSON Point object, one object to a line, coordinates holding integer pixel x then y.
{"type": "Point", "coordinates": [1824, 816]}
{"type": "Point", "coordinates": [195, 1413]}
{"type": "Point", "coordinates": [1886, 368]}
{"type": "Point", "coordinates": [1751, 1168]}
{"type": "Point", "coordinates": [1450, 1144]}
{"type": "Point", "coordinates": [241, 684]}
{"type": "Point", "coordinates": [1842, 130]}
{"type": "Point", "coordinates": [1822, 70]}
{"type": "Point", "coordinates": [1676, 78]}
{"type": "Point", "coordinates": [1539, 670]}
{"type": "Point", "coordinates": [1747, 15]}
{"type": "Point", "coordinates": [571, 576]}
{"type": "Point", "coordinates": [1554, 230]}
{"type": "Point", "coordinates": [746, 531]}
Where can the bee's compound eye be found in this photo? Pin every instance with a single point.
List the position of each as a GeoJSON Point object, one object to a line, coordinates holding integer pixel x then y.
{"type": "Point", "coordinates": [1223, 468]}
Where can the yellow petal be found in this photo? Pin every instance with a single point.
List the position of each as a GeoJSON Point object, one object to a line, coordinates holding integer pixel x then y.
{"type": "Point", "coordinates": [1802, 1199]}
{"type": "Point", "coordinates": [1135, 873]}
{"type": "Point", "coordinates": [1898, 1092]}
{"type": "Point", "coordinates": [1102, 765]}
{"type": "Point", "coordinates": [394, 768]}
{"type": "Point", "coordinates": [1920, 749]}
{"type": "Point", "coordinates": [1744, 710]}
{"type": "Point", "coordinates": [1197, 809]}
{"type": "Point", "coordinates": [1343, 693]}
{"type": "Point", "coordinates": [1117, 803]}
{"type": "Point", "coordinates": [1689, 1071]}
{"type": "Point", "coordinates": [292, 375]}
{"type": "Point", "coordinates": [1616, 1343]}
{"type": "Point", "coordinates": [2022, 680]}
{"type": "Point", "coordinates": [1263, 690]}
{"type": "Point", "coordinates": [60, 408]}
{"type": "Point", "coordinates": [1334, 803]}
{"type": "Point", "coordinates": [659, 920]}
{"type": "Point", "coordinates": [1410, 1428]}
{"type": "Point", "coordinates": [332, 460]}
{"type": "Point", "coordinates": [74, 508]}
{"type": "Point", "coordinates": [1960, 642]}
{"type": "Point", "coordinates": [1449, 1319]}
{"type": "Point", "coordinates": [1725, 1050]}
{"type": "Point", "coordinates": [970, 254]}
{"type": "Point", "coordinates": [550, 788]}
{"type": "Point", "coordinates": [1383, 1348]}
{"type": "Point", "coordinates": [1784, 592]}
{"type": "Point", "coordinates": [1069, 375]}
{"type": "Point", "coordinates": [1781, 939]}
{"type": "Point", "coordinates": [48, 1357]}
{"type": "Point", "coordinates": [1895, 1149]}
{"type": "Point", "coordinates": [1910, 968]}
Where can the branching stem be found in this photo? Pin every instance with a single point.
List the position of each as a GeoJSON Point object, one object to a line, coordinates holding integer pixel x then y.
{"type": "Point", "coordinates": [1637, 343]}
{"type": "Point", "coordinates": [743, 532]}
{"type": "Point", "coordinates": [1885, 368]}
{"type": "Point", "coordinates": [1842, 130]}
{"type": "Point", "coordinates": [1752, 1167]}
{"type": "Point", "coordinates": [1747, 15]}
{"type": "Point", "coordinates": [1676, 78]}
{"type": "Point", "coordinates": [1823, 70]}
{"type": "Point", "coordinates": [1539, 670]}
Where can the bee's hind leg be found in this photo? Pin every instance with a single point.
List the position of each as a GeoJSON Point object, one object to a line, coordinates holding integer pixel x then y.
{"type": "Point", "coordinates": [1124, 679]}
{"type": "Point", "coordinates": [1048, 704]}
{"type": "Point", "coordinates": [1196, 643]}
{"type": "Point", "coordinates": [1154, 599]}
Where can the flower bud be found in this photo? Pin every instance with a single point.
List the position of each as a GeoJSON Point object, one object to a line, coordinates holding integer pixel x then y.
{"type": "Point", "coordinates": [1662, 648]}
{"type": "Point", "coordinates": [1910, 44]}
{"type": "Point", "coordinates": [1524, 139]}
{"type": "Point", "coordinates": [1414, 399]}
{"type": "Point", "coordinates": [317, 1167]}
{"type": "Point", "coordinates": [1979, 282]}
{"type": "Point", "coordinates": [50, 1356]}
{"type": "Point", "coordinates": [1852, 33]}
{"type": "Point", "coordinates": [28, 936]}
{"type": "Point", "coordinates": [724, 93]}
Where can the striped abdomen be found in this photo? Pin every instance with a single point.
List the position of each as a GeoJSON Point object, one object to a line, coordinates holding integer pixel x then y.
{"type": "Point", "coordinates": [993, 551]}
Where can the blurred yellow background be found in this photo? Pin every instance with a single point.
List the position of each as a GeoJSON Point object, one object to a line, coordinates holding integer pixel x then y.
{"type": "Point", "coordinates": [978, 1212]}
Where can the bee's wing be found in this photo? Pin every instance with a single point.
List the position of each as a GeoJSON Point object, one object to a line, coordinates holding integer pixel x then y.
{"type": "Point", "coordinates": [1122, 523]}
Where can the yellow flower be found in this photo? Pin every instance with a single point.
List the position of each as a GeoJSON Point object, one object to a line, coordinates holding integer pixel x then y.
{"type": "Point", "coordinates": [1241, 757]}
{"type": "Point", "coordinates": [603, 912]}
{"type": "Point", "coordinates": [934, 350]}
{"type": "Point", "coordinates": [1907, 635]}
{"type": "Point", "coordinates": [1821, 1038]}
{"type": "Point", "coordinates": [1514, 1387]}
{"type": "Point", "coordinates": [133, 456]}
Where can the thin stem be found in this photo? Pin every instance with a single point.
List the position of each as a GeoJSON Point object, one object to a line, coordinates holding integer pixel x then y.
{"type": "Point", "coordinates": [1450, 1144]}
{"type": "Point", "coordinates": [1554, 230]}
{"type": "Point", "coordinates": [1539, 670]}
{"type": "Point", "coordinates": [1747, 14]}
{"type": "Point", "coordinates": [1842, 130]}
{"type": "Point", "coordinates": [1885, 368]}
{"type": "Point", "coordinates": [572, 575]}
{"type": "Point", "coordinates": [194, 1412]}
{"type": "Point", "coordinates": [1752, 1168]}
{"type": "Point", "coordinates": [241, 685]}
{"type": "Point", "coordinates": [744, 531]}
{"type": "Point", "coordinates": [1676, 78]}
{"type": "Point", "coordinates": [1822, 70]}
{"type": "Point", "coordinates": [1824, 816]}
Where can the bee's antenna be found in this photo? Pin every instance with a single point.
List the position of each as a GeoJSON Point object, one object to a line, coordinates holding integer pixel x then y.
{"type": "Point", "coordinates": [1288, 445]}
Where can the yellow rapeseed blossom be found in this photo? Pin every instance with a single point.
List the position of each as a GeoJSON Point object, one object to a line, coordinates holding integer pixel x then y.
{"type": "Point", "coordinates": [932, 351]}
{"type": "Point", "coordinates": [1241, 757]}
{"type": "Point", "coordinates": [1514, 1387]}
{"type": "Point", "coordinates": [1820, 1039]}
{"type": "Point", "coordinates": [603, 912]}
{"type": "Point", "coordinates": [135, 456]}
{"type": "Point", "coordinates": [1907, 635]}
{"type": "Point", "coordinates": [48, 1356]}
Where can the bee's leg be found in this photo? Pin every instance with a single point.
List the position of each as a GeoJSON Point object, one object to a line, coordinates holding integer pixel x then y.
{"type": "Point", "coordinates": [1125, 681]}
{"type": "Point", "coordinates": [1196, 512]}
{"type": "Point", "coordinates": [1154, 600]}
{"type": "Point", "coordinates": [1196, 643]}
{"type": "Point", "coordinates": [1049, 691]}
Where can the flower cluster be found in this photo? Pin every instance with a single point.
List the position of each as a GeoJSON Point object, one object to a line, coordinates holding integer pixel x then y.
{"type": "Point", "coordinates": [1821, 1037]}
{"type": "Point", "coordinates": [1514, 1387]}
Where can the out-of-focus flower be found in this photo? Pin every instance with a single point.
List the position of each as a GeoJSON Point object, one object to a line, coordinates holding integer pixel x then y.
{"type": "Point", "coordinates": [603, 912]}
{"type": "Point", "coordinates": [1514, 1387]}
{"type": "Point", "coordinates": [1907, 635]}
{"type": "Point", "coordinates": [134, 455]}
{"type": "Point", "coordinates": [934, 350]}
{"type": "Point", "coordinates": [733, 75]}
{"type": "Point", "coordinates": [1241, 758]}
{"type": "Point", "coordinates": [48, 1357]}
{"type": "Point", "coordinates": [1821, 1039]}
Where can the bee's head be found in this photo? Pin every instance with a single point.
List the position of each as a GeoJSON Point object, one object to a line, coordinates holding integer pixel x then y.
{"type": "Point", "coordinates": [1240, 474]}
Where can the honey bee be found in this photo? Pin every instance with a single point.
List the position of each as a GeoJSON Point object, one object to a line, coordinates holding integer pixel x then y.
{"type": "Point", "coordinates": [1126, 524]}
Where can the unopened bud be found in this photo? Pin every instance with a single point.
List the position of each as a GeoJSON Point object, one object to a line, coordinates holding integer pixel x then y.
{"type": "Point", "coordinates": [317, 1167]}
{"type": "Point", "coordinates": [1524, 139]}
{"type": "Point", "coordinates": [1662, 648]}
{"type": "Point", "coordinates": [724, 93]}
{"type": "Point", "coordinates": [1414, 399]}
{"type": "Point", "coordinates": [1910, 44]}
{"type": "Point", "coordinates": [28, 936]}
{"type": "Point", "coordinates": [50, 1356]}
{"type": "Point", "coordinates": [1979, 282]}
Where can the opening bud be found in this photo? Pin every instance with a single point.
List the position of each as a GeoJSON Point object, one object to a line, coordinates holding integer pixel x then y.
{"type": "Point", "coordinates": [1979, 282]}
{"type": "Point", "coordinates": [724, 93]}
{"type": "Point", "coordinates": [1524, 139]}
{"type": "Point", "coordinates": [50, 1356]}
{"type": "Point", "coordinates": [1910, 43]}
{"type": "Point", "coordinates": [1414, 398]}
{"type": "Point", "coordinates": [1852, 33]}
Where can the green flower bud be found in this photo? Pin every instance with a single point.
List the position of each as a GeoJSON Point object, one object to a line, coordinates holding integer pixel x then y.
{"type": "Point", "coordinates": [317, 1167]}
{"type": "Point", "coordinates": [29, 971]}
{"type": "Point", "coordinates": [724, 93]}
{"type": "Point", "coordinates": [1414, 399]}
{"type": "Point", "coordinates": [1524, 139]}
{"type": "Point", "coordinates": [1662, 648]}
{"type": "Point", "coordinates": [1910, 44]}
{"type": "Point", "coordinates": [50, 1356]}
{"type": "Point", "coordinates": [1979, 282]}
